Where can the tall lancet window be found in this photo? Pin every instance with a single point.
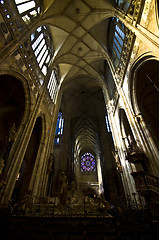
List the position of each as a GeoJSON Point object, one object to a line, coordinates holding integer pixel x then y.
{"type": "Point", "coordinates": [59, 128]}
{"type": "Point", "coordinates": [42, 46]}
{"type": "Point", "coordinates": [116, 39]}
{"type": "Point", "coordinates": [28, 9]}
{"type": "Point", "coordinates": [88, 163]}
{"type": "Point", "coordinates": [107, 123]}
{"type": "Point", "coordinates": [53, 85]}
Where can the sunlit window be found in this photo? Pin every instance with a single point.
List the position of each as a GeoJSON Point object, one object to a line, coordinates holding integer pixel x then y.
{"type": "Point", "coordinates": [88, 163]}
{"type": "Point", "coordinates": [123, 4]}
{"type": "Point", "coordinates": [107, 123]}
{"type": "Point", "coordinates": [108, 126]}
{"type": "Point", "coordinates": [118, 38]}
{"type": "Point", "coordinates": [42, 47]}
{"type": "Point", "coordinates": [28, 9]}
{"type": "Point", "coordinates": [53, 85]}
{"type": "Point", "coordinates": [59, 128]}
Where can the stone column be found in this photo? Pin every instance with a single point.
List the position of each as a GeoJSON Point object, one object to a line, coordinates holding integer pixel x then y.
{"type": "Point", "coordinates": [21, 148]}
{"type": "Point", "coordinates": [63, 164]}
{"type": "Point", "coordinates": [18, 157]}
{"type": "Point", "coordinates": [49, 149]}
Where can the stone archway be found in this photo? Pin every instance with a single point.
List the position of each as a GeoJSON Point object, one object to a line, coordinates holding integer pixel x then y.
{"type": "Point", "coordinates": [12, 108]}
{"type": "Point", "coordinates": [144, 90]}
{"type": "Point", "coordinates": [147, 96]}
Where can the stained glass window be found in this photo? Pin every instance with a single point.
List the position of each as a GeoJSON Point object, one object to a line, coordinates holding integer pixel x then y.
{"type": "Point", "coordinates": [59, 128]}
{"type": "Point", "coordinates": [118, 38]}
{"type": "Point", "coordinates": [88, 163]}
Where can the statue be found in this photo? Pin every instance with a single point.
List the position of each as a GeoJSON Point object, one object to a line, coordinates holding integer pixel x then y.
{"type": "Point", "coordinates": [103, 204]}
{"type": "Point", "coordinates": [63, 182]}
{"type": "Point", "coordinates": [12, 133]}
{"type": "Point", "coordinates": [50, 163]}
{"type": "Point", "coordinates": [134, 153]}
{"type": "Point", "coordinates": [10, 141]}
{"type": "Point", "coordinates": [71, 191]}
{"type": "Point", "coordinates": [117, 160]}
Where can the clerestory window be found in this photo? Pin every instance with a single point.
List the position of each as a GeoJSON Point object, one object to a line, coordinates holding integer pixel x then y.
{"type": "Point", "coordinates": [123, 4]}
{"type": "Point", "coordinates": [53, 85]}
{"type": "Point", "coordinates": [116, 39]}
{"type": "Point", "coordinates": [42, 46]}
{"type": "Point", "coordinates": [28, 9]}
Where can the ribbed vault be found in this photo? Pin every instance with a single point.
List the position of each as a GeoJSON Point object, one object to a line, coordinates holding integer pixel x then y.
{"type": "Point", "coordinates": [85, 133]}
{"type": "Point", "coordinates": [80, 34]}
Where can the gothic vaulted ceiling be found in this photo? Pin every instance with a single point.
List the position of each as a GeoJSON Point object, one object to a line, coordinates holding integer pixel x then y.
{"type": "Point", "coordinates": [80, 31]}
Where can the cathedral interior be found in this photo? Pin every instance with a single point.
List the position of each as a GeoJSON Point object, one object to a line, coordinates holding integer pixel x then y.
{"type": "Point", "coordinates": [79, 119]}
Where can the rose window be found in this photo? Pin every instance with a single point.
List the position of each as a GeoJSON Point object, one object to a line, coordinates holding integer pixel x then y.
{"type": "Point", "coordinates": [88, 163]}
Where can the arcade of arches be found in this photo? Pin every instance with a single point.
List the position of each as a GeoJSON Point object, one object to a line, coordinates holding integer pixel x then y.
{"type": "Point", "coordinates": [79, 99]}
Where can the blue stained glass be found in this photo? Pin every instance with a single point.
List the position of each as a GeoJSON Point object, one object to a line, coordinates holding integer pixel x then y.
{"type": "Point", "coordinates": [116, 50]}
{"type": "Point", "coordinates": [59, 128]}
{"type": "Point", "coordinates": [117, 44]}
{"type": "Point", "coordinates": [121, 33]}
{"type": "Point", "coordinates": [119, 39]}
{"type": "Point", "coordinates": [88, 162]}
